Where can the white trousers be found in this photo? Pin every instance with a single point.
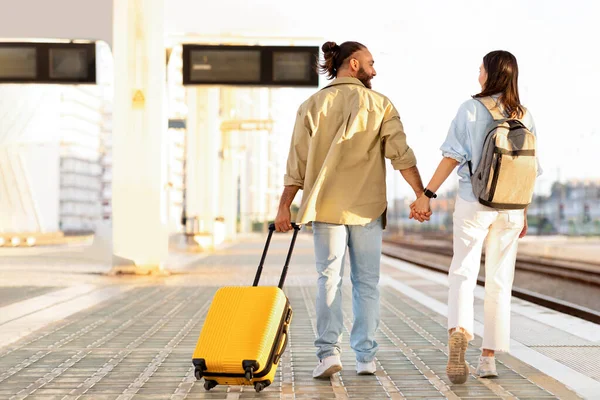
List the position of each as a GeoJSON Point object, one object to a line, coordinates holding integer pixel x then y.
{"type": "Point", "coordinates": [473, 223]}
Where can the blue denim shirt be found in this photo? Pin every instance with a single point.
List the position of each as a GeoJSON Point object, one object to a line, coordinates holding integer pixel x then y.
{"type": "Point", "coordinates": [465, 141]}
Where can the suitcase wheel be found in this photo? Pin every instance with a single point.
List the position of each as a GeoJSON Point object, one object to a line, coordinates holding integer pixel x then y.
{"type": "Point", "coordinates": [249, 367]}
{"type": "Point", "coordinates": [258, 386]}
{"type": "Point", "coordinates": [210, 384]}
{"type": "Point", "coordinates": [198, 373]}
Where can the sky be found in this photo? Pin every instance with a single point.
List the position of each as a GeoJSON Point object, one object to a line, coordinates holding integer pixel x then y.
{"type": "Point", "coordinates": [427, 55]}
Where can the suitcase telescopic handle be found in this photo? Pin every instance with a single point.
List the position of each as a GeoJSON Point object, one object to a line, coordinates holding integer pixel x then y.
{"type": "Point", "coordinates": [296, 228]}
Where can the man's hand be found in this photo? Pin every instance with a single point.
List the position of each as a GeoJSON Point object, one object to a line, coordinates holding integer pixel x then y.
{"type": "Point", "coordinates": [419, 217]}
{"type": "Point", "coordinates": [283, 221]}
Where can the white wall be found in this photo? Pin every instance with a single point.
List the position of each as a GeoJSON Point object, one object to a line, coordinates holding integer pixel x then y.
{"type": "Point", "coordinates": [39, 126]}
{"type": "Point", "coordinates": [29, 157]}
{"type": "Point", "coordinates": [42, 163]}
{"type": "Point", "coordinates": [29, 173]}
{"type": "Point", "coordinates": [29, 113]}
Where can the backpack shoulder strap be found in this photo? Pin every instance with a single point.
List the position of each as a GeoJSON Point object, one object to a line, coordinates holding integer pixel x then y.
{"type": "Point", "coordinates": [492, 106]}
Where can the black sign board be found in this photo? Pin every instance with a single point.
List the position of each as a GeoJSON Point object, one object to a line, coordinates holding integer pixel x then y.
{"type": "Point", "coordinates": [250, 65]}
{"type": "Point", "coordinates": [32, 62]}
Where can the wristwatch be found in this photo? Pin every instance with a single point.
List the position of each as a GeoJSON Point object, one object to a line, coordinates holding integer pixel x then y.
{"type": "Point", "coordinates": [430, 194]}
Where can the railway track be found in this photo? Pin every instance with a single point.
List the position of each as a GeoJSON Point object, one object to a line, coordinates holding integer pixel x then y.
{"type": "Point", "coordinates": [437, 257]}
{"type": "Point", "coordinates": [566, 269]}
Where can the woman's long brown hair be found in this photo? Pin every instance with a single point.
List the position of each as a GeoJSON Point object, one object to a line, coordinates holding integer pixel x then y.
{"type": "Point", "coordinates": [502, 78]}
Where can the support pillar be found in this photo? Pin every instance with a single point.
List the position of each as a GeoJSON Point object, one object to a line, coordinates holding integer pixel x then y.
{"type": "Point", "coordinates": [202, 168]}
{"type": "Point", "coordinates": [140, 232]}
{"type": "Point", "coordinates": [229, 185]}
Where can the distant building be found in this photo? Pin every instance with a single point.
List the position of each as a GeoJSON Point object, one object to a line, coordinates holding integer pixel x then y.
{"type": "Point", "coordinates": [572, 208]}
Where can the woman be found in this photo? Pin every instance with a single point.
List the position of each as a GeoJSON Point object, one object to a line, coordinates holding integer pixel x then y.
{"type": "Point", "coordinates": [474, 222]}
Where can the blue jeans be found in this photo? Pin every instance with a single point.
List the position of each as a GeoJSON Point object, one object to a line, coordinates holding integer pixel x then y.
{"type": "Point", "coordinates": [364, 247]}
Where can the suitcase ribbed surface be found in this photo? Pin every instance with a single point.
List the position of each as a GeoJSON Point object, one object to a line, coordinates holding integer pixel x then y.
{"type": "Point", "coordinates": [241, 324]}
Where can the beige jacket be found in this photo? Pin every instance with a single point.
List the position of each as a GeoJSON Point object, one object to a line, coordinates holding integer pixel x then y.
{"type": "Point", "coordinates": [342, 135]}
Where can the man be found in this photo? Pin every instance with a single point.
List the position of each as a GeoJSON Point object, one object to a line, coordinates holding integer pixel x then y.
{"type": "Point", "coordinates": [342, 135]}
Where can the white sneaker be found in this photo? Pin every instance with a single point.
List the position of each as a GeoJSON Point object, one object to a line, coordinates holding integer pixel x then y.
{"type": "Point", "coordinates": [487, 367]}
{"type": "Point", "coordinates": [327, 367]}
{"type": "Point", "coordinates": [366, 368]}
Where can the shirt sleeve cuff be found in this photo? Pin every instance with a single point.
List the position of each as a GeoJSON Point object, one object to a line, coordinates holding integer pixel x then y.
{"type": "Point", "coordinates": [290, 181]}
{"type": "Point", "coordinates": [454, 156]}
{"type": "Point", "coordinates": [407, 160]}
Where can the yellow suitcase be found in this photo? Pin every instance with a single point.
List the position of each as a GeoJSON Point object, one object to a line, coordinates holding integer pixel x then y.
{"type": "Point", "coordinates": [245, 331]}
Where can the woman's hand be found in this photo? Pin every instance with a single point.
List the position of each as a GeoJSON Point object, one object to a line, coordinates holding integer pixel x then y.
{"type": "Point", "coordinates": [525, 225]}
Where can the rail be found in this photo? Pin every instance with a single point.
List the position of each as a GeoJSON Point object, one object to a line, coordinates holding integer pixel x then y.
{"type": "Point", "coordinates": [396, 250]}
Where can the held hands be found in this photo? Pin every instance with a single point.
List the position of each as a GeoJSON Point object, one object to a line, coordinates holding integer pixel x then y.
{"type": "Point", "coordinates": [420, 209]}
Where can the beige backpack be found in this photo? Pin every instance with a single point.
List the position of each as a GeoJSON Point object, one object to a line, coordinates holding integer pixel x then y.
{"type": "Point", "coordinates": [505, 176]}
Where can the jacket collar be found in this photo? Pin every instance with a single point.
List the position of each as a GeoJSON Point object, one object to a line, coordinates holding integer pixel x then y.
{"type": "Point", "coordinates": [345, 81]}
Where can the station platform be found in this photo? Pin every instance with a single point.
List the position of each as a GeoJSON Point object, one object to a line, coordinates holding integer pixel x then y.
{"type": "Point", "coordinates": [580, 249]}
{"type": "Point", "coordinates": [68, 331]}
